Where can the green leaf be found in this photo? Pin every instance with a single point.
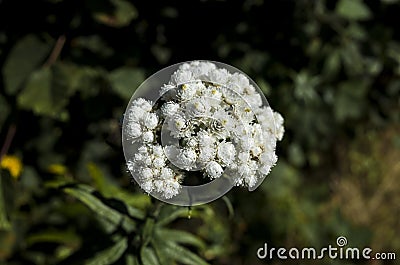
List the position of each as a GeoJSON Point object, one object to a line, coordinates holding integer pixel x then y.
{"type": "Point", "coordinates": [148, 231]}
{"type": "Point", "coordinates": [354, 30]}
{"type": "Point", "coordinates": [4, 223]}
{"type": "Point", "coordinates": [58, 183]}
{"type": "Point", "coordinates": [352, 59]}
{"type": "Point", "coordinates": [110, 190]}
{"type": "Point", "coordinates": [74, 78]}
{"type": "Point", "coordinates": [158, 246]}
{"type": "Point", "coordinates": [178, 236]}
{"type": "Point", "coordinates": [124, 13]}
{"type": "Point", "coordinates": [148, 256]}
{"type": "Point", "coordinates": [131, 260]}
{"type": "Point", "coordinates": [95, 204]}
{"type": "Point", "coordinates": [39, 96]}
{"type": "Point", "coordinates": [305, 86]}
{"type": "Point", "coordinates": [170, 213]}
{"type": "Point", "coordinates": [95, 44]}
{"type": "Point", "coordinates": [62, 237]}
{"type": "Point", "coordinates": [99, 179]}
{"type": "Point", "coordinates": [110, 255]}
{"type": "Point", "coordinates": [26, 55]}
{"type": "Point", "coordinates": [125, 81]}
{"type": "Point", "coordinates": [353, 10]}
{"type": "Point", "coordinates": [181, 254]}
{"type": "Point", "coordinates": [332, 64]}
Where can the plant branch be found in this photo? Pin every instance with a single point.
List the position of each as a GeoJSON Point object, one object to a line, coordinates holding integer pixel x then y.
{"type": "Point", "coordinates": [7, 142]}
{"type": "Point", "coordinates": [55, 53]}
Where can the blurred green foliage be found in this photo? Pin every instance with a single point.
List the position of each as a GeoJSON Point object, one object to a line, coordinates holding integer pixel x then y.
{"type": "Point", "coordinates": [68, 69]}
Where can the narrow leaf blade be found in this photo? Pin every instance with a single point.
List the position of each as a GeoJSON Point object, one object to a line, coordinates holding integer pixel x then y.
{"type": "Point", "coordinates": [181, 254]}
{"type": "Point", "coordinates": [110, 255]}
{"type": "Point", "coordinates": [148, 256]}
{"type": "Point", "coordinates": [179, 236]}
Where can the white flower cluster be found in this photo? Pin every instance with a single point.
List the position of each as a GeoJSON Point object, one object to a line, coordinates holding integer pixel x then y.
{"type": "Point", "coordinates": [218, 122]}
{"type": "Point", "coordinates": [149, 163]}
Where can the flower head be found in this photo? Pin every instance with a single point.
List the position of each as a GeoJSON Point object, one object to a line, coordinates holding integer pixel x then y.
{"type": "Point", "coordinates": [213, 170]}
{"type": "Point", "coordinates": [217, 123]}
{"type": "Point", "coordinates": [12, 164]}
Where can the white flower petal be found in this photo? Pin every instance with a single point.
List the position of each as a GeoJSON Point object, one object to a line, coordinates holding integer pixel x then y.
{"type": "Point", "coordinates": [213, 170]}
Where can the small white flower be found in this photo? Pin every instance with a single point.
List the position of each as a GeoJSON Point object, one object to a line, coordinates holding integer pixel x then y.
{"type": "Point", "coordinates": [180, 77]}
{"type": "Point", "coordinates": [142, 103]}
{"type": "Point", "coordinates": [192, 143]}
{"type": "Point", "coordinates": [147, 186]}
{"type": "Point", "coordinates": [219, 76]}
{"type": "Point", "coordinates": [213, 170]}
{"type": "Point", "coordinates": [253, 100]}
{"type": "Point", "coordinates": [265, 117]}
{"type": "Point", "coordinates": [265, 169]}
{"type": "Point", "coordinates": [244, 157]}
{"type": "Point", "coordinates": [187, 158]}
{"type": "Point", "coordinates": [171, 188]}
{"type": "Point", "coordinates": [250, 180]}
{"type": "Point", "coordinates": [279, 129]}
{"type": "Point", "coordinates": [226, 153]}
{"type": "Point", "coordinates": [130, 165]}
{"type": "Point", "coordinates": [158, 162]}
{"type": "Point", "coordinates": [147, 161]}
{"type": "Point", "coordinates": [136, 114]}
{"type": "Point", "coordinates": [256, 150]}
{"type": "Point", "coordinates": [159, 185]}
{"type": "Point", "coordinates": [138, 158]}
{"type": "Point", "coordinates": [165, 88]}
{"type": "Point", "coordinates": [169, 109]}
{"type": "Point", "coordinates": [176, 125]}
{"type": "Point", "coordinates": [225, 119]}
{"type": "Point", "coordinates": [244, 170]}
{"type": "Point", "coordinates": [244, 112]}
{"type": "Point", "coordinates": [166, 173]}
{"type": "Point", "coordinates": [205, 139]}
{"type": "Point", "coordinates": [206, 154]}
{"type": "Point", "coordinates": [147, 173]}
{"type": "Point", "coordinates": [158, 151]}
{"type": "Point", "coordinates": [151, 121]}
{"type": "Point", "coordinates": [230, 96]}
{"type": "Point", "coordinates": [187, 91]}
{"type": "Point", "coordinates": [213, 96]}
{"type": "Point", "coordinates": [268, 158]}
{"type": "Point", "coordinates": [197, 107]}
{"type": "Point", "coordinates": [156, 171]}
{"type": "Point", "coordinates": [198, 68]}
{"type": "Point", "coordinates": [134, 130]}
{"type": "Point", "coordinates": [239, 82]}
{"type": "Point", "coordinates": [246, 143]}
{"type": "Point", "coordinates": [148, 137]}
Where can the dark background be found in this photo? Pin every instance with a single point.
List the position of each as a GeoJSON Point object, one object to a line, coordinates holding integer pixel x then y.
{"type": "Point", "coordinates": [69, 68]}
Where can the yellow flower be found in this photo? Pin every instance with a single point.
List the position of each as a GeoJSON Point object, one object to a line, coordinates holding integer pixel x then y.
{"type": "Point", "coordinates": [57, 169]}
{"type": "Point", "coordinates": [13, 164]}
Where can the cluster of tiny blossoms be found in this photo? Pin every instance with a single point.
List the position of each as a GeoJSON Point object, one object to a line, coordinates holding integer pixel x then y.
{"type": "Point", "coordinates": [218, 124]}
